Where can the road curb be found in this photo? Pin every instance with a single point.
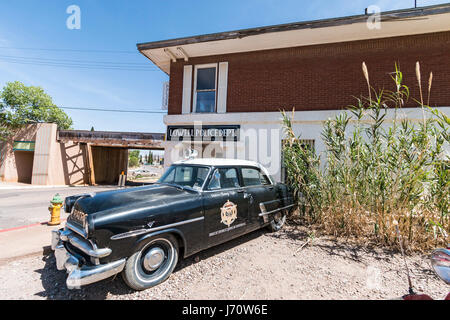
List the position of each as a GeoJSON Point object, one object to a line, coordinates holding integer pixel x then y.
{"type": "Point", "coordinates": [46, 250]}
{"type": "Point", "coordinates": [31, 225]}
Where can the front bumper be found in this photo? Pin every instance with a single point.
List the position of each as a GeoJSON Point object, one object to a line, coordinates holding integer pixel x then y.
{"type": "Point", "coordinates": [79, 274]}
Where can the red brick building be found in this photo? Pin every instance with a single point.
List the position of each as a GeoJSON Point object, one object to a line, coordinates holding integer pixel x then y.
{"type": "Point", "coordinates": [235, 83]}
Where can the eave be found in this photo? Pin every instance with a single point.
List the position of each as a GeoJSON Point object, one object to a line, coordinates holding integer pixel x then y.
{"type": "Point", "coordinates": [353, 28]}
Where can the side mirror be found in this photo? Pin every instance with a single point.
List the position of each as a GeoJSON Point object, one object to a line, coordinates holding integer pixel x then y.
{"type": "Point", "coordinates": [440, 261]}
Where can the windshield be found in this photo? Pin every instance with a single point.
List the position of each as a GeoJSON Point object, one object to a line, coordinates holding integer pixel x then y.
{"type": "Point", "coordinates": [185, 176]}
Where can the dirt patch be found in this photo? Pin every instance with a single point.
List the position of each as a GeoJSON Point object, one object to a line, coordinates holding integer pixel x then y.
{"type": "Point", "coordinates": [260, 265]}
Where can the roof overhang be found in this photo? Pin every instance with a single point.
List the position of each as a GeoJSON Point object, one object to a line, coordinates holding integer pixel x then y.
{"type": "Point", "coordinates": [393, 23]}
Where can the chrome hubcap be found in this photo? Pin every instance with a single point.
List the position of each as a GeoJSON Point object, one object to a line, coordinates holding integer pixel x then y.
{"type": "Point", "coordinates": [153, 259]}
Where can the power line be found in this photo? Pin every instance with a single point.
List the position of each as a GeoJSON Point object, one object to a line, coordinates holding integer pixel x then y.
{"type": "Point", "coordinates": [72, 50]}
{"type": "Point", "coordinates": [78, 66]}
{"type": "Point", "coordinates": [69, 61]}
{"type": "Point", "coordinates": [114, 110]}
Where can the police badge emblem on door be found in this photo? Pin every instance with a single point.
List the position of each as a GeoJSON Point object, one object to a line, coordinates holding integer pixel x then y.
{"type": "Point", "coordinates": [228, 213]}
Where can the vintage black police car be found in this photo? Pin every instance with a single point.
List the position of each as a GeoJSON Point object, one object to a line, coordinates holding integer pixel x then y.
{"type": "Point", "coordinates": [141, 232]}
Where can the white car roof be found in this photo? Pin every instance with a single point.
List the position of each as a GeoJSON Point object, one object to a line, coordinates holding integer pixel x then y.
{"type": "Point", "coordinates": [219, 162]}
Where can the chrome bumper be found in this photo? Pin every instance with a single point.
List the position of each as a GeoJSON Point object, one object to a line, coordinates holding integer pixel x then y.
{"type": "Point", "coordinates": [80, 275]}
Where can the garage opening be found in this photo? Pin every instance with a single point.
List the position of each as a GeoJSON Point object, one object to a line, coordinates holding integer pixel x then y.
{"type": "Point", "coordinates": [109, 163]}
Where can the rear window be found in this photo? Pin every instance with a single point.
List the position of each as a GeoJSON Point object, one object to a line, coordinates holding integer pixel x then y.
{"type": "Point", "coordinates": [254, 177]}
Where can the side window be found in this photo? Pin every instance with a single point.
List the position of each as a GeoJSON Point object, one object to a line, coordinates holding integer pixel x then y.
{"type": "Point", "coordinates": [224, 178]}
{"type": "Point", "coordinates": [253, 177]}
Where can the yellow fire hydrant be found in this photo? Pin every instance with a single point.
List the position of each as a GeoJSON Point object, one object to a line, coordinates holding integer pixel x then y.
{"type": "Point", "coordinates": [55, 210]}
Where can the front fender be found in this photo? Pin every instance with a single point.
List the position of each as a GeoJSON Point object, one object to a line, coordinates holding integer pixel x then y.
{"type": "Point", "coordinates": [125, 248]}
{"type": "Point", "coordinates": [143, 240]}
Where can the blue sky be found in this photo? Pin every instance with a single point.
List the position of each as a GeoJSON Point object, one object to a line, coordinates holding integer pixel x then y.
{"type": "Point", "coordinates": [114, 27]}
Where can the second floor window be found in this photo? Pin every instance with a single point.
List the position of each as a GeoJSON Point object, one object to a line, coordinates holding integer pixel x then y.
{"type": "Point", "coordinates": [205, 88]}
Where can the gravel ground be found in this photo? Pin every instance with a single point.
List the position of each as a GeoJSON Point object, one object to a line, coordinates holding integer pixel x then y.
{"type": "Point", "coordinates": [260, 265]}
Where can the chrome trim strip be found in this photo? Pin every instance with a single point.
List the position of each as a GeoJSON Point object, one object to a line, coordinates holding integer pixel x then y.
{"type": "Point", "coordinates": [144, 231]}
{"type": "Point", "coordinates": [273, 211]}
{"type": "Point", "coordinates": [76, 229]}
{"type": "Point", "coordinates": [278, 200]}
{"type": "Point", "coordinates": [88, 248]}
{"type": "Point", "coordinates": [92, 252]}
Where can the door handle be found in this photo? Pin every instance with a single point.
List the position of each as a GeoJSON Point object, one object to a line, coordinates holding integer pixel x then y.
{"type": "Point", "coordinates": [249, 197]}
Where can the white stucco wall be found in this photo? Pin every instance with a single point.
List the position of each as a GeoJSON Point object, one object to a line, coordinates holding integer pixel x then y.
{"type": "Point", "coordinates": [267, 126]}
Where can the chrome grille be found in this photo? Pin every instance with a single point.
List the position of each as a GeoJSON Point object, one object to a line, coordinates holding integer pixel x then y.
{"type": "Point", "coordinates": [78, 217]}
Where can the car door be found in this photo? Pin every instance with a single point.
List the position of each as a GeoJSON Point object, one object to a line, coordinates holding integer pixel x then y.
{"type": "Point", "coordinates": [262, 191]}
{"type": "Point", "coordinates": [226, 206]}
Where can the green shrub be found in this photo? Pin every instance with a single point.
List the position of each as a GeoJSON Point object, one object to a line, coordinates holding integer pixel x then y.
{"type": "Point", "coordinates": [376, 171]}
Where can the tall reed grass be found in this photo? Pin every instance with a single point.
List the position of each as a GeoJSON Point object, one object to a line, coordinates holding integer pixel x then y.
{"type": "Point", "coordinates": [376, 171]}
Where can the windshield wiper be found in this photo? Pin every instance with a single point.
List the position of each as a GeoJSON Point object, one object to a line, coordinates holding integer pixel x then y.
{"type": "Point", "coordinates": [178, 186]}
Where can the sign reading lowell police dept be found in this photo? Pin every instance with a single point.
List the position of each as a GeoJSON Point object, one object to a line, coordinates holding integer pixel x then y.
{"type": "Point", "coordinates": [203, 133]}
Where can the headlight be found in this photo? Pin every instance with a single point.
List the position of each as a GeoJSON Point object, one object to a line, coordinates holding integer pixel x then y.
{"type": "Point", "coordinates": [68, 204]}
{"type": "Point", "coordinates": [440, 261]}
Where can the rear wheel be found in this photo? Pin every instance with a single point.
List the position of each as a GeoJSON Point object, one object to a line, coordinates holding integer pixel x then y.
{"type": "Point", "coordinates": [278, 221]}
{"type": "Point", "coordinates": [153, 264]}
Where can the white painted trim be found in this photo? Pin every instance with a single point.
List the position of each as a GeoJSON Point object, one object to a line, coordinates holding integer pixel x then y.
{"type": "Point", "coordinates": [204, 66]}
{"type": "Point", "coordinates": [170, 54]}
{"type": "Point", "coordinates": [187, 89]}
{"type": "Point", "coordinates": [271, 118]}
{"type": "Point", "coordinates": [222, 88]}
{"type": "Point", "coordinates": [183, 53]}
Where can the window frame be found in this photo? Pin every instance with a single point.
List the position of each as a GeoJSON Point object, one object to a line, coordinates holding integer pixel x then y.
{"type": "Point", "coordinates": [205, 66]}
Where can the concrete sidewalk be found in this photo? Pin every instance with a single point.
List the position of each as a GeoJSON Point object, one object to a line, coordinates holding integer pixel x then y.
{"type": "Point", "coordinates": [26, 241]}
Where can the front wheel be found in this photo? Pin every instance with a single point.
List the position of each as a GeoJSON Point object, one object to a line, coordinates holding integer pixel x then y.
{"type": "Point", "coordinates": [153, 264]}
{"type": "Point", "coordinates": [278, 221]}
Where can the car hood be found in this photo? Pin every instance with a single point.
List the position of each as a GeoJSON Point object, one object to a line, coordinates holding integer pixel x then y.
{"type": "Point", "coordinates": [130, 198]}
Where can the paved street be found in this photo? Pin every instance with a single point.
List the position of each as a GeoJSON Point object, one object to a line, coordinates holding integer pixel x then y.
{"type": "Point", "coordinates": [21, 207]}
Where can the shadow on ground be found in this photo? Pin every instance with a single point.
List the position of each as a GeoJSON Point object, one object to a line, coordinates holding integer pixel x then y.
{"type": "Point", "coordinates": [54, 281]}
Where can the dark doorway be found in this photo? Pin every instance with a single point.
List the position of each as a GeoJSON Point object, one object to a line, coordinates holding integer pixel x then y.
{"type": "Point", "coordinates": [24, 165]}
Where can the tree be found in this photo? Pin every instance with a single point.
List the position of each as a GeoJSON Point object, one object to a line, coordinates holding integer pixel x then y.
{"type": "Point", "coordinates": [133, 158]}
{"type": "Point", "coordinates": [21, 104]}
{"type": "Point", "coordinates": [92, 129]}
{"type": "Point", "coordinates": [150, 157]}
